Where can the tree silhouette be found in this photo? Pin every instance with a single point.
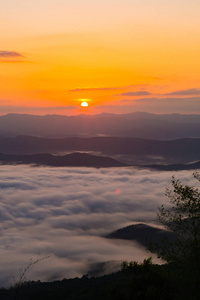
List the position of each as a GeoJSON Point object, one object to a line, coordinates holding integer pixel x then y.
{"type": "Point", "coordinates": [183, 219]}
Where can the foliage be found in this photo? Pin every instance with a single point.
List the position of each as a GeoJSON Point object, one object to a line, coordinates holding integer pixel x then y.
{"type": "Point", "coordinates": [182, 218]}
{"type": "Point", "coordinates": [144, 281]}
{"type": "Point", "coordinates": [134, 265]}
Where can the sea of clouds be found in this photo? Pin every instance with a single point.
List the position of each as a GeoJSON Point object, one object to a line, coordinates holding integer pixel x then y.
{"type": "Point", "coordinates": [65, 213]}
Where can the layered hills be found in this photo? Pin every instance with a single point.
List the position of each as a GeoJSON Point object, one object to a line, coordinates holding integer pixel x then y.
{"type": "Point", "coordinates": [163, 142]}
{"type": "Point", "coordinates": [128, 150]}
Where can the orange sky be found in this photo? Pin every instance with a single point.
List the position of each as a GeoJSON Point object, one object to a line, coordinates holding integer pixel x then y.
{"type": "Point", "coordinates": [123, 56]}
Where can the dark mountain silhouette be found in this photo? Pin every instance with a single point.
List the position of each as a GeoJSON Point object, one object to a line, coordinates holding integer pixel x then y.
{"type": "Point", "coordinates": [73, 159]}
{"type": "Point", "coordinates": [84, 160]}
{"type": "Point", "coordinates": [179, 151]}
{"type": "Point", "coordinates": [138, 124]}
{"type": "Point", "coordinates": [141, 233]}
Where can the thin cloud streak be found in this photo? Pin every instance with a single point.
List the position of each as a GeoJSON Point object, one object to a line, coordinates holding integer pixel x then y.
{"type": "Point", "coordinates": [11, 57]}
{"type": "Point", "coordinates": [95, 89]}
{"type": "Point", "coordinates": [188, 92]}
{"type": "Point", "coordinates": [138, 93]}
{"type": "Point", "coordinates": [11, 54]}
{"type": "Point", "coordinates": [106, 88]}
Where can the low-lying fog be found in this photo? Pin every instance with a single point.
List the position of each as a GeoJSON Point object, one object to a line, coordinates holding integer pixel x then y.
{"type": "Point", "coordinates": [65, 212]}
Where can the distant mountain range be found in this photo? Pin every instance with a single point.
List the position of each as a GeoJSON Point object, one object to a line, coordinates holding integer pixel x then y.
{"type": "Point", "coordinates": [70, 160]}
{"type": "Point", "coordinates": [170, 141]}
{"type": "Point", "coordinates": [128, 150]}
{"type": "Point", "coordinates": [176, 167]}
{"type": "Point", "coordinates": [138, 125]}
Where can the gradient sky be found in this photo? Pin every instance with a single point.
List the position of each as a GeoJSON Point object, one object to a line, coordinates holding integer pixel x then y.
{"type": "Point", "coordinates": [123, 56]}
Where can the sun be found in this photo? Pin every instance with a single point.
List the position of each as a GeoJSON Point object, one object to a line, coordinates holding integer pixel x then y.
{"type": "Point", "coordinates": [84, 104]}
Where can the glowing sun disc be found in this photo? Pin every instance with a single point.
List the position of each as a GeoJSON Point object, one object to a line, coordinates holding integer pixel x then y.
{"type": "Point", "coordinates": [84, 104]}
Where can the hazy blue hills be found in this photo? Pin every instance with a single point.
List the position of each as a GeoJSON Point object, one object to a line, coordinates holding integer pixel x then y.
{"type": "Point", "coordinates": [138, 124]}
{"type": "Point", "coordinates": [70, 160]}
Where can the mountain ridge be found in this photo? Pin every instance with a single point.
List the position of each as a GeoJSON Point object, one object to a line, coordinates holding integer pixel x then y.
{"type": "Point", "coordinates": [165, 152]}
{"type": "Point", "coordinates": [138, 125]}
{"type": "Point", "coordinates": [71, 160]}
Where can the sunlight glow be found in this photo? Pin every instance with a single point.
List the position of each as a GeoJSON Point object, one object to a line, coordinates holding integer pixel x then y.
{"type": "Point", "coordinates": [84, 104]}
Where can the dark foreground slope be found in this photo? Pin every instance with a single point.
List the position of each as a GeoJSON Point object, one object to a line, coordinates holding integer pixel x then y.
{"type": "Point", "coordinates": [143, 282]}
